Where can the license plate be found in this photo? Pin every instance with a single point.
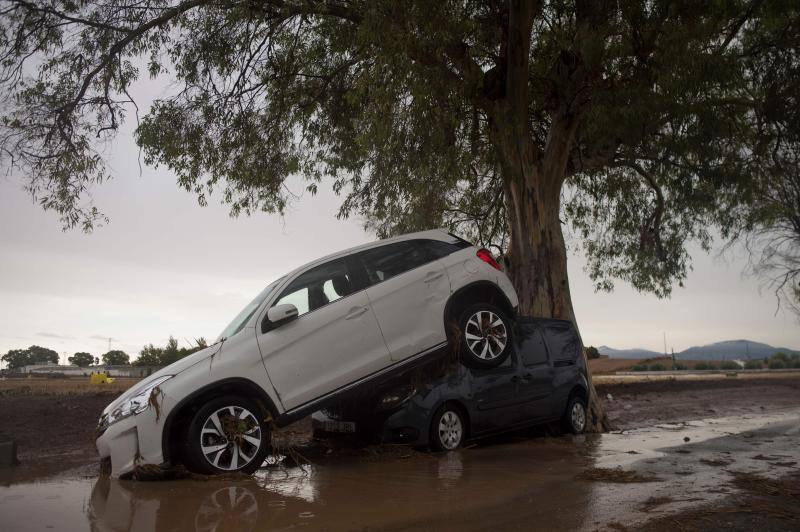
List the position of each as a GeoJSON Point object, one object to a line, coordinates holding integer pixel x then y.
{"type": "Point", "coordinates": [339, 426]}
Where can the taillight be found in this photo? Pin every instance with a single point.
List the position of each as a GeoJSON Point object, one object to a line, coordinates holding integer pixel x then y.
{"type": "Point", "coordinates": [486, 256]}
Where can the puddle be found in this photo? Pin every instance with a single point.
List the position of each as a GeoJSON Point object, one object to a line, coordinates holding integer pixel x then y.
{"type": "Point", "coordinates": [526, 484]}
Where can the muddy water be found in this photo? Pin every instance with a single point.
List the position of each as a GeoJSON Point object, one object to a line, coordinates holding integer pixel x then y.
{"type": "Point", "coordinates": [526, 484]}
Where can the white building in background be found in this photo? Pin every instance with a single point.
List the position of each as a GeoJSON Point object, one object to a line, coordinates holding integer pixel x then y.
{"type": "Point", "coordinates": [43, 370]}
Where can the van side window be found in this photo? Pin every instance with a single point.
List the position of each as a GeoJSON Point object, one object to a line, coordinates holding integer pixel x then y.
{"type": "Point", "coordinates": [383, 263]}
{"type": "Point", "coordinates": [317, 287]}
{"type": "Point", "coordinates": [532, 349]}
{"type": "Point", "coordinates": [564, 343]}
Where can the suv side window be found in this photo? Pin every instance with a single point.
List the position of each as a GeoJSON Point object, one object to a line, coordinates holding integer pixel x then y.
{"type": "Point", "coordinates": [383, 263]}
{"type": "Point", "coordinates": [436, 249]}
{"type": "Point", "coordinates": [532, 349]}
{"type": "Point", "coordinates": [318, 286]}
{"type": "Point", "coordinates": [564, 344]}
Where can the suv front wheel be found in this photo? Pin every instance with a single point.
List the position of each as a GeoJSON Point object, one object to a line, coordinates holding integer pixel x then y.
{"type": "Point", "coordinates": [227, 435]}
{"type": "Point", "coordinates": [485, 336]}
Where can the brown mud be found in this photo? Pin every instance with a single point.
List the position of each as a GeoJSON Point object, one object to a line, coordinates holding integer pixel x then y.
{"type": "Point", "coordinates": [687, 468]}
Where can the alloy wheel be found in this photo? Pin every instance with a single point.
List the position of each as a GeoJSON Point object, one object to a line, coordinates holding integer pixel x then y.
{"type": "Point", "coordinates": [578, 416]}
{"type": "Point", "coordinates": [451, 430]}
{"type": "Point", "coordinates": [230, 438]}
{"type": "Point", "coordinates": [486, 334]}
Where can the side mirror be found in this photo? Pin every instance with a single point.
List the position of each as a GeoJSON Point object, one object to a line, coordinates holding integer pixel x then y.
{"type": "Point", "coordinates": [281, 313]}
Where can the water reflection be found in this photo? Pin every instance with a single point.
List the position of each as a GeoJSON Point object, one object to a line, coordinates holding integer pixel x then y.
{"type": "Point", "coordinates": [458, 490]}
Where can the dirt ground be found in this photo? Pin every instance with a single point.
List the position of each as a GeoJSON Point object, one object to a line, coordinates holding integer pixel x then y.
{"type": "Point", "coordinates": [638, 404]}
{"type": "Point", "coordinates": [734, 469]}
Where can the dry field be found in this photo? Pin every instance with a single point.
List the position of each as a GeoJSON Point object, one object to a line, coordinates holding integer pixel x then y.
{"type": "Point", "coordinates": [63, 386]}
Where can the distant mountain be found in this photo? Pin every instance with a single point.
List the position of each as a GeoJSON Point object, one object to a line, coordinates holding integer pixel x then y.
{"type": "Point", "coordinates": [627, 353]}
{"type": "Point", "coordinates": [739, 349]}
{"type": "Point", "coordinates": [727, 350]}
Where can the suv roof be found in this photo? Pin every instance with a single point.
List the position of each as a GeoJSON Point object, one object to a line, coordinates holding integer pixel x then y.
{"type": "Point", "coordinates": [432, 234]}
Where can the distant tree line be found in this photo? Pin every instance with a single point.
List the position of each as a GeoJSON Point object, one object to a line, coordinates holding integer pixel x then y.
{"type": "Point", "coordinates": [148, 356]}
{"type": "Point", "coordinates": [151, 355]}
{"type": "Point", "coordinates": [16, 358]}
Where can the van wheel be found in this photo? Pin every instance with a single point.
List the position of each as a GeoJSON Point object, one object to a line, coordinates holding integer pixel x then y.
{"type": "Point", "coordinates": [227, 435]}
{"type": "Point", "coordinates": [485, 336]}
{"type": "Point", "coordinates": [575, 415]}
{"type": "Point", "coordinates": [448, 429]}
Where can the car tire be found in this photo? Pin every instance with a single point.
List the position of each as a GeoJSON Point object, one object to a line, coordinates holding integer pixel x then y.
{"type": "Point", "coordinates": [448, 428]}
{"type": "Point", "coordinates": [485, 336]}
{"type": "Point", "coordinates": [575, 415]}
{"type": "Point", "coordinates": [227, 435]}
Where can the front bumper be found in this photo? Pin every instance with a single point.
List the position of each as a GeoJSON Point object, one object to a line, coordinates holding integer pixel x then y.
{"type": "Point", "coordinates": [409, 425]}
{"type": "Point", "coordinates": [132, 442]}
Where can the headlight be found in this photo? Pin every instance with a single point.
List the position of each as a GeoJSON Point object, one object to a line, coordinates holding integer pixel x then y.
{"type": "Point", "coordinates": [396, 397]}
{"type": "Point", "coordinates": [135, 404]}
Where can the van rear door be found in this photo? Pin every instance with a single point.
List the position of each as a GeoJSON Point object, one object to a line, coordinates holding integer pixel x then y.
{"type": "Point", "coordinates": [536, 372]}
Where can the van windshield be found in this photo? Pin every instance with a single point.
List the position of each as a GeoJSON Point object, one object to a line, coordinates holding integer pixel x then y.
{"type": "Point", "coordinates": [242, 318]}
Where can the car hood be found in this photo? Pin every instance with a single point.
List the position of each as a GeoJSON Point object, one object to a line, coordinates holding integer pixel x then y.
{"type": "Point", "coordinates": [173, 369]}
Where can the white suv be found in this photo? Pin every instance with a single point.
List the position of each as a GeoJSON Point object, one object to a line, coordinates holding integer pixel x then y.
{"type": "Point", "coordinates": [312, 335]}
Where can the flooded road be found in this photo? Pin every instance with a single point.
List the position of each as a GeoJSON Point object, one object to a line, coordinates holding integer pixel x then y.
{"type": "Point", "coordinates": [527, 483]}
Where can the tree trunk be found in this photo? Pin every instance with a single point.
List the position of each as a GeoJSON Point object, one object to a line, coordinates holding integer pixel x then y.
{"type": "Point", "coordinates": [537, 254]}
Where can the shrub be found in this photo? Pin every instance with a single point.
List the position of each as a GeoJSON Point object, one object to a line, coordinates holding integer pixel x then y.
{"type": "Point", "coordinates": [704, 365]}
{"type": "Point", "coordinates": [795, 364]}
{"type": "Point", "coordinates": [639, 367]}
{"type": "Point", "coordinates": [775, 363]}
{"type": "Point", "coordinates": [657, 367]}
{"type": "Point", "coordinates": [729, 364]}
{"type": "Point", "coordinates": [592, 352]}
{"type": "Point", "coordinates": [753, 364]}
{"type": "Point", "coordinates": [780, 355]}
{"type": "Point", "coordinates": [680, 367]}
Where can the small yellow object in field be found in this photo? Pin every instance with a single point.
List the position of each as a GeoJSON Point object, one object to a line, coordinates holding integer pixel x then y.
{"type": "Point", "coordinates": [100, 378]}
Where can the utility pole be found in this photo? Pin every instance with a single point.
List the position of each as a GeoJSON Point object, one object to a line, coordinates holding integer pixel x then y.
{"type": "Point", "coordinates": [665, 344]}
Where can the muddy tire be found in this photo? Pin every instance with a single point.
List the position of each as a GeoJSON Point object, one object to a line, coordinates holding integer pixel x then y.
{"type": "Point", "coordinates": [227, 435]}
{"type": "Point", "coordinates": [574, 420]}
{"type": "Point", "coordinates": [485, 336]}
{"type": "Point", "coordinates": [448, 428]}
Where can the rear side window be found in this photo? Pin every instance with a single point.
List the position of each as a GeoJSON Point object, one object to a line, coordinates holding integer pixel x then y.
{"type": "Point", "coordinates": [531, 346]}
{"type": "Point", "coordinates": [436, 249]}
{"type": "Point", "coordinates": [564, 343]}
{"type": "Point", "coordinates": [390, 260]}
{"type": "Point", "coordinates": [318, 286]}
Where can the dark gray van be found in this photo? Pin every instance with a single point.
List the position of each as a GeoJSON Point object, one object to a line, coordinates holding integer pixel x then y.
{"type": "Point", "coordinates": [543, 380]}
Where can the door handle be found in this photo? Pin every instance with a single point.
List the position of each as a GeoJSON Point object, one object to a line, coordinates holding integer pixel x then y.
{"type": "Point", "coordinates": [432, 276]}
{"type": "Point", "coordinates": [355, 312]}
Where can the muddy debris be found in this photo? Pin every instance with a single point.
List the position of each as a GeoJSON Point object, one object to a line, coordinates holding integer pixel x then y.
{"type": "Point", "coordinates": [716, 462]}
{"type": "Point", "coordinates": [619, 475]}
{"type": "Point", "coordinates": [785, 487]}
{"type": "Point", "coordinates": [152, 472]}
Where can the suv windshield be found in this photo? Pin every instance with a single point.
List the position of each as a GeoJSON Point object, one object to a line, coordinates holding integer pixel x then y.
{"type": "Point", "coordinates": [239, 321]}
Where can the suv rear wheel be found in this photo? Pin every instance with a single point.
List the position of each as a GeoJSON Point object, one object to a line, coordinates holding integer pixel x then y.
{"type": "Point", "coordinates": [485, 336]}
{"type": "Point", "coordinates": [227, 435]}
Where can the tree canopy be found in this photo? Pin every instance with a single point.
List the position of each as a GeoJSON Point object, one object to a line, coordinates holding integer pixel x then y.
{"type": "Point", "coordinates": [642, 114]}
{"type": "Point", "coordinates": [81, 359]}
{"type": "Point", "coordinates": [17, 358]}
{"type": "Point", "coordinates": [115, 357]}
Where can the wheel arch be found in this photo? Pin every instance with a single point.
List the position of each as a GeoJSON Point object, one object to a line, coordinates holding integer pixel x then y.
{"type": "Point", "coordinates": [192, 402]}
{"type": "Point", "coordinates": [476, 292]}
{"type": "Point", "coordinates": [457, 403]}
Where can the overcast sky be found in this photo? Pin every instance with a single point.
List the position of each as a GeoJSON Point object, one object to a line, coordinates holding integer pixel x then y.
{"type": "Point", "coordinates": [166, 266]}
